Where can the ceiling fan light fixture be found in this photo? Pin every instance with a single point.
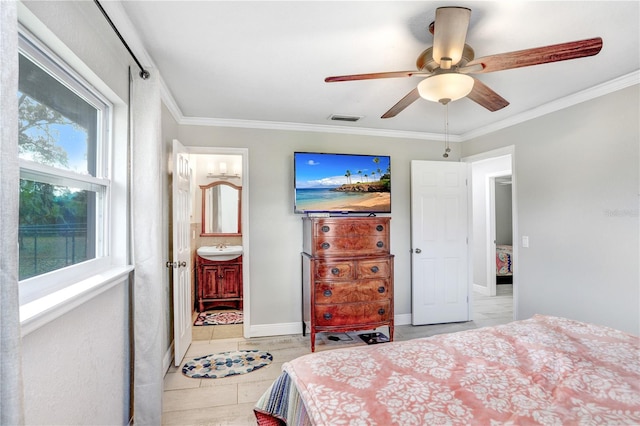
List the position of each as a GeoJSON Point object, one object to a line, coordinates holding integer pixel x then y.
{"type": "Point", "coordinates": [445, 87]}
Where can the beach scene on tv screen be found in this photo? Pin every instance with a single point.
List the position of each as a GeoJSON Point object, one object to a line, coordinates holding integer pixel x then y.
{"type": "Point", "coordinates": [342, 183]}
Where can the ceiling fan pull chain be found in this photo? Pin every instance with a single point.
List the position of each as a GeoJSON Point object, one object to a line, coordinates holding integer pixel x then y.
{"type": "Point", "coordinates": [447, 150]}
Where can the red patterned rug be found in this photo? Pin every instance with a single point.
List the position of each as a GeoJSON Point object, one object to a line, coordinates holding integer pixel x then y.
{"type": "Point", "coordinates": [219, 318]}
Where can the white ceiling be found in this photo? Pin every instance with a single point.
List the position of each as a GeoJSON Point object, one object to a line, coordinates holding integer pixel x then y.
{"type": "Point", "coordinates": [263, 63]}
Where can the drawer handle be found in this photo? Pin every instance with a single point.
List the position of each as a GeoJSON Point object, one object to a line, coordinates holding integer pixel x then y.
{"type": "Point", "coordinates": [335, 271]}
{"type": "Point", "coordinates": [380, 244]}
{"type": "Point", "coordinates": [380, 311]}
{"type": "Point", "coordinates": [327, 293]}
{"type": "Point", "coordinates": [379, 228]}
{"type": "Point", "coordinates": [381, 289]}
{"type": "Point", "coordinates": [374, 269]}
{"type": "Point", "coordinates": [325, 228]}
{"type": "Point", "coordinates": [327, 316]}
{"type": "Point", "coordinates": [325, 245]}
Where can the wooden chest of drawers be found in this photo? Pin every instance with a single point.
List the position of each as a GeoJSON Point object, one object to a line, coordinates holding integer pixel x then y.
{"type": "Point", "coordinates": [347, 275]}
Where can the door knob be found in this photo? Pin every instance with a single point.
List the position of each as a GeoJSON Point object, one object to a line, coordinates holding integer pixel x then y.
{"type": "Point", "coordinates": [418, 250]}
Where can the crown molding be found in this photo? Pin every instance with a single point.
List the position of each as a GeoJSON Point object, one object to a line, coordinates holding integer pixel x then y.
{"type": "Point", "coordinates": [170, 102]}
{"type": "Point", "coordinates": [301, 127]}
{"type": "Point", "coordinates": [619, 83]}
{"type": "Point", "coordinates": [117, 14]}
{"type": "Point", "coordinates": [614, 85]}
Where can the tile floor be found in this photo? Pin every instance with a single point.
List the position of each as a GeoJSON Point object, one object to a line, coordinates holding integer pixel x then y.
{"type": "Point", "coordinates": [229, 401]}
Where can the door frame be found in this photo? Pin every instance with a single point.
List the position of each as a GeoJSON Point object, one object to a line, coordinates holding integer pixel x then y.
{"type": "Point", "coordinates": [501, 152]}
{"type": "Point", "coordinates": [491, 228]}
{"type": "Point", "coordinates": [244, 217]}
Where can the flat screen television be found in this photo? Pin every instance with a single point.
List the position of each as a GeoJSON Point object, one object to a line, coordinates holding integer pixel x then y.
{"type": "Point", "coordinates": [342, 183]}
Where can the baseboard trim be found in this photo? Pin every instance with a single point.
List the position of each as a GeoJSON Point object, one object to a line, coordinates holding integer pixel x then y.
{"type": "Point", "coordinates": [283, 329]}
{"type": "Point", "coordinates": [168, 357]}
{"type": "Point", "coordinates": [481, 289]}
{"type": "Point", "coordinates": [402, 319]}
{"type": "Point", "coordinates": [264, 330]}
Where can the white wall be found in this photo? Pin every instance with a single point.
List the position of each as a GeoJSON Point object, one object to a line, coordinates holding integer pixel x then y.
{"type": "Point", "coordinates": [276, 232]}
{"type": "Point", "coordinates": [76, 368]}
{"type": "Point", "coordinates": [577, 184]}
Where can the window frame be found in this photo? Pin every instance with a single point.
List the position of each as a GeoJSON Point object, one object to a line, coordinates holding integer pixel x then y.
{"type": "Point", "coordinates": [42, 285]}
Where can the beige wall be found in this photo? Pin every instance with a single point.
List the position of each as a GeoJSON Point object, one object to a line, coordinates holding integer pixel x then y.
{"type": "Point", "coordinates": [576, 186]}
{"type": "Point", "coordinates": [574, 169]}
{"type": "Point", "coordinates": [276, 232]}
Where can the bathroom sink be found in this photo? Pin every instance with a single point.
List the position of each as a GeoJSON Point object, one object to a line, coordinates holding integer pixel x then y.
{"type": "Point", "coordinates": [220, 253]}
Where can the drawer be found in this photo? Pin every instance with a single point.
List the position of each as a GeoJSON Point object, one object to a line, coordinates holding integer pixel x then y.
{"type": "Point", "coordinates": [376, 268]}
{"type": "Point", "coordinates": [352, 313]}
{"type": "Point", "coordinates": [335, 270]}
{"type": "Point", "coordinates": [350, 292]}
{"type": "Point", "coordinates": [351, 228]}
{"type": "Point", "coordinates": [342, 246]}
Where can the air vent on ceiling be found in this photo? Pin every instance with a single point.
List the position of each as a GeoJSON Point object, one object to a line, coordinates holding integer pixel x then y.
{"type": "Point", "coordinates": [349, 118]}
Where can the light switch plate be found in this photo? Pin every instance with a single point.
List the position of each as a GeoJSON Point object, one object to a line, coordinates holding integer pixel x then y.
{"type": "Point", "coordinates": [525, 241]}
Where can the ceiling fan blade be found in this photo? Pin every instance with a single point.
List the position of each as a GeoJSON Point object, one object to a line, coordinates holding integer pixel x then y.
{"type": "Point", "coordinates": [409, 98]}
{"type": "Point", "coordinates": [539, 55]}
{"type": "Point", "coordinates": [449, 34]}
{"type": "Point", "coordinates": [484, 96]}
{"type": "Point", "coordinates": [370, 76]}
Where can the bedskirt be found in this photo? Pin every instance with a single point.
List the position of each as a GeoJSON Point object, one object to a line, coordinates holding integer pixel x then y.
{"type": "Point", "coordinates": [281, 405]}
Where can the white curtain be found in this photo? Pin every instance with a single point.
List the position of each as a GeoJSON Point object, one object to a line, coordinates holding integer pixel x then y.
{"type": "Point", "coordinates": [146, 207]}
{"type": "Point", "coordinates": [11, 391]}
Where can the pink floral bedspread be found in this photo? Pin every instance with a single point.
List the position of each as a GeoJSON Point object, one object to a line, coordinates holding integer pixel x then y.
{"type": "Point", "coordinates": [545, 370]}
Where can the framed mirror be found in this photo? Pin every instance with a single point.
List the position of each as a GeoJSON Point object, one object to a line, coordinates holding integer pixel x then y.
{"type": "Point", "coordinates": [221, 209]}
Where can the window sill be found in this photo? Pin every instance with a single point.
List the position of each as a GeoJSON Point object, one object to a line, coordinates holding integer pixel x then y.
{"type": "Point", "coordinates": [39, 312]}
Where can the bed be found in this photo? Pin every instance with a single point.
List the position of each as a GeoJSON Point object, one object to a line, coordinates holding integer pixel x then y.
{"type": "Point", "coordinates": [504, 264]}
{"type": "Point", "coordinates": [544, 370]}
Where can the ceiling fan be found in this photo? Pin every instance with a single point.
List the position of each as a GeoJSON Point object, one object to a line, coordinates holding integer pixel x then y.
{"type": "Point", "coordinates": [447, 65]}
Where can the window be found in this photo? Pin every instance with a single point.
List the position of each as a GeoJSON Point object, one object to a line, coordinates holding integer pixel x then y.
{"type": "Point", "coordinates": [64, 173]}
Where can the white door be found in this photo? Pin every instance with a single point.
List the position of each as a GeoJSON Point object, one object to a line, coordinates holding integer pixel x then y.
{"type": "Point", "coordinates": [181, 252]}
{"type": "Point", "coordinates": [439, 239]}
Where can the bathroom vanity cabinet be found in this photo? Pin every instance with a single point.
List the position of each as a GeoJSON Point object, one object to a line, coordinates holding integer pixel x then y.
{"type": "Point", "coordinates": [219, 283]}
{"type": "Point", "coordinates": [347, 275]}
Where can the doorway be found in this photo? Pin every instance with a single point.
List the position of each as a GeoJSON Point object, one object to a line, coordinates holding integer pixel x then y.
{"type": "Point", "coordinates": [228, 317]}
{"type": "Point", "coordinates": [494, 230]}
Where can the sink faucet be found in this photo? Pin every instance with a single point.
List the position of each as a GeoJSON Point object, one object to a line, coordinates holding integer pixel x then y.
{"type": "Point", "coordinates": [221, 246]}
